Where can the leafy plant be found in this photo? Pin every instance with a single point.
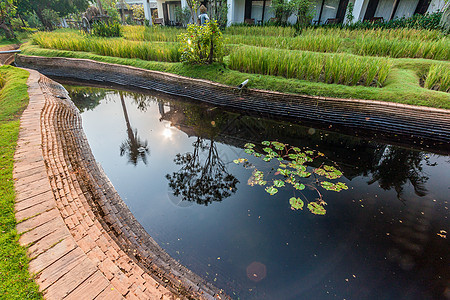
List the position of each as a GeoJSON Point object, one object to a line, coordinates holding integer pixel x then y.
{"type": "Point", "coordinates": [202, 44]}
{"type": "Point", "coordinates": [182, 15]}
{"type": "Point", "coordinates": [292, 171]}
{"type": "Point", "coordinates": [349, 15]}
{"type": "Point", "coordinates": [106, 29]}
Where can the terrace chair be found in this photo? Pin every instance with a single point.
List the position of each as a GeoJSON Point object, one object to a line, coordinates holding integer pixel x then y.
{"type": "Point", "coordinates": [376, 20]}
{"type": "Point", "coordinates": [249, 21]}
{"type": "Point", "coordinates": [330, 21]}
{"type": "Point", "coordinates": [159, 21]}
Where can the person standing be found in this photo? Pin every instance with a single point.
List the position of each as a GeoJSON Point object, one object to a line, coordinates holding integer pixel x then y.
{"type": "Point", "coordinates": [203, 17]}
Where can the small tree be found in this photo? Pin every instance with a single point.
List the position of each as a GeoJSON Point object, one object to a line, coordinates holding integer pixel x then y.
{"type": "Point", "coordinates": [305, 12]}
{"type": "Point", "coordinates": [193, 7]}
{"type": "Point", "coordinates": [7, 12]}
{"type": "Point", "coordinates": [202, 44]}
{"type": "Point", "coordinates": [283, 10]}
{"type": "Point", "coordinates": [183, 15]}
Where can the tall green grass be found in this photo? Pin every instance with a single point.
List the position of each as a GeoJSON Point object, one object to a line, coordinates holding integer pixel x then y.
{"type": "Point", "coordinates": [439, 50]}
{"type": "Point", "coordinates": [438, 78]}
{"type": "Point", "coordinates": [337, 68]}
{"type": "Point", "coordinates": [154, 33]}
{"type": "Point", "coordinates": [321, 43]}
{"type": "Point", "coordinates": [261, 31]}
{"type": "Point", "coordinates": [109, 47]}
{"type": "Point", "coordinates": [378, 33]}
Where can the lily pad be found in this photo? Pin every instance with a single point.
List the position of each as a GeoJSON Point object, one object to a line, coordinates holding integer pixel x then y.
{"type": "Point", "coordinates": [296, 203]}
{"type": "Point", "coordinates": [271, 190]}
{"type": "Point", "coordinates": [239, 160]}
{"type": "Point", "coordinates": [278, 183]}
{"type": "Point", "coordinates": [265, 143]}
{"type": "Point", "coordinates": [337, 187]}
{"type": "Point", "coordinates": [316, 208]}
{"type": "Point", "coordinates": [299, 186]}
{"type": "Point", "coordinates": [249, 151]}
{"type": "Point", "coordinates": [249, 146]}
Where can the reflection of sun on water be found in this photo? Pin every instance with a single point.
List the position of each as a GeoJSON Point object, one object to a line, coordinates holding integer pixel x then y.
{"type": "Point", "coordinates": [167, 133]}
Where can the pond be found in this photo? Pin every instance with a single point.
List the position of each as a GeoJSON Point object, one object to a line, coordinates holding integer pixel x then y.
{"type": "Point", "coordinates": [267, 209]}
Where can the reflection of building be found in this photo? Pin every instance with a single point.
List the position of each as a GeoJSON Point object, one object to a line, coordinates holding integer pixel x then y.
{"type": "Point", "coordinates": [334, 11]}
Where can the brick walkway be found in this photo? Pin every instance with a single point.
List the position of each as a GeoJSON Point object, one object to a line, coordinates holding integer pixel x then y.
{"type": "Point", "coordinates": [72, 254]}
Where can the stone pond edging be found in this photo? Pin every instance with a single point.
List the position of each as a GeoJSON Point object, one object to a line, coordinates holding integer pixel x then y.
{"type": "Point", "coordinates": [82, 240]}
{"type": "Point", "coordinates": [404, 122]}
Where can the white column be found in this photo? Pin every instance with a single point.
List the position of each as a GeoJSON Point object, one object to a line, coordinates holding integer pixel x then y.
{"type": "Point", "coordinates": [230, 15]}
{"type": "Point", "coordinates": [183, 4]}
{"type": "Point", "coordinates": [160, 9]}
{"type": "Point", "coordinates": [357, 10]}
{"type": "Point", "coordinates": [147, 14]}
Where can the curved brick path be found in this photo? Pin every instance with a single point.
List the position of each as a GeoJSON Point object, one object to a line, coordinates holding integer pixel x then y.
{"type": "Point", "coordinates": [71, 252]}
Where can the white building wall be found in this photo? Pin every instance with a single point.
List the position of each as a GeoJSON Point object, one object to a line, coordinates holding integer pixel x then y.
{"type": "Point", "coordinates": [239, 9]}
{"type": "Point", "coordinates": [406, 8]}
{"type": "Point", "coordinates": [436, 5]}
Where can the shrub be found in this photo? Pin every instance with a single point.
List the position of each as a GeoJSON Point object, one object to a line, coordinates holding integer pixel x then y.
{"type": "Point", "coordinates": [202, 44]}
{"type": "Point", "coordinates": [106, 29]}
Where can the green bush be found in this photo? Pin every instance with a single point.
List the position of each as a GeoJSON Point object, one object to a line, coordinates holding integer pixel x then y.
{"type": "Point", "coordinates": [106, 29]}
{"type": "Point", "coordinates": [202, 44]}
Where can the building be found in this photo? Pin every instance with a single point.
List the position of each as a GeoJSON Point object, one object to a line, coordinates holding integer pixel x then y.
{"type": "Point", "coordinates": [327, 11]}
{"type": "Point", "coordinates": [150, 6]}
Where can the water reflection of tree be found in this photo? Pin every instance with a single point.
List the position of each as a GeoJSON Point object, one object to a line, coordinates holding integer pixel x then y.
{"type": "Point", "coordinates": [203, 176]}
{"type": "Point", "coordinates": [86, 98]}
{"type": "Point", "coordinates": [133, 147]}
{"type": "Point", "coordinates": [397, 166]}
{"type": "Point", "coordinates": [202, 181]}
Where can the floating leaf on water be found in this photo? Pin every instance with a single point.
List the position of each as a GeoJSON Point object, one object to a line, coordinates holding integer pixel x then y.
{"type": "Point", "coordinates": [284, 172]}
{"type": "Point", "coordinates": [271, 190]}
{"type": "Point", "coordinates": [278, 145]}
{"type": "Point", "coordinates": [329, 172]}
{"type": "Point", "coordinates": [249, 146]}
{"type": "Point", "coordinates": [261, 182]}
{"type": "Point", "coordinates": [249, 151]}
{"type": "Point", "coordinates": [299, 186]}
{"type": "Point", "coordinates": [302, 174]}
{"type": "Point", "coordinates": [316, 208]}
{"type": "Point", "coordinates": [265, 143]}
{"type": "Point", "coordinates": [309, 152]}
{"type": "Point", "coordinates": [296, 203]}
{"type": "Point", "coordinates": [282, 165]}
{"type": "Point", "coordinates": [239, 160]}
{"type": "Point", "coordinates": [293, 156]}
{"type": "Point", "coordinates": [296, 149]}
{"type": "Point", "coordinates": [279, 183]}
{"type": "Point", "coordinates": [320, 154]}
{"type": "Point", "coordinates": [337, 187]}
{"type": "Point", "coordinates": [256, 154]}
{"type": "Point", "coordinates": [268, 150]}
{"type": "Point", "coordinates": [268, 158]}
{"type": "Point", "coordinates": [280, 159]}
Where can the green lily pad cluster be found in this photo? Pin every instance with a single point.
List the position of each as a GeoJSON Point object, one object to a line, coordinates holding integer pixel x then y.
{"type": "Point", "coordinates": [292, 171]}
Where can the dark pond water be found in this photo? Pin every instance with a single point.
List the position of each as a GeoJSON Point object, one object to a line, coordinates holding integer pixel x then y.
{"type": "Point", "coordinates": [172, 162]}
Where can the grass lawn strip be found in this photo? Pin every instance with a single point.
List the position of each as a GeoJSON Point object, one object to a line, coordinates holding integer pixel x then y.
{"type": "Point", "coordinates": [401, 86]}
{"type": "Point", "coordinates": [14, 277]}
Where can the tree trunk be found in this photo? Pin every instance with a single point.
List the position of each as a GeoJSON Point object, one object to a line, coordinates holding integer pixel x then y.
{"type": "Point", "coordinates": [9, 33]}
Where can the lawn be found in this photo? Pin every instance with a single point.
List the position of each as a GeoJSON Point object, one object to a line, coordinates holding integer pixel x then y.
{"type": "Point", "coordinates": [14, 277]}
{"type": "Point", "coordinates": [403, 65]}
